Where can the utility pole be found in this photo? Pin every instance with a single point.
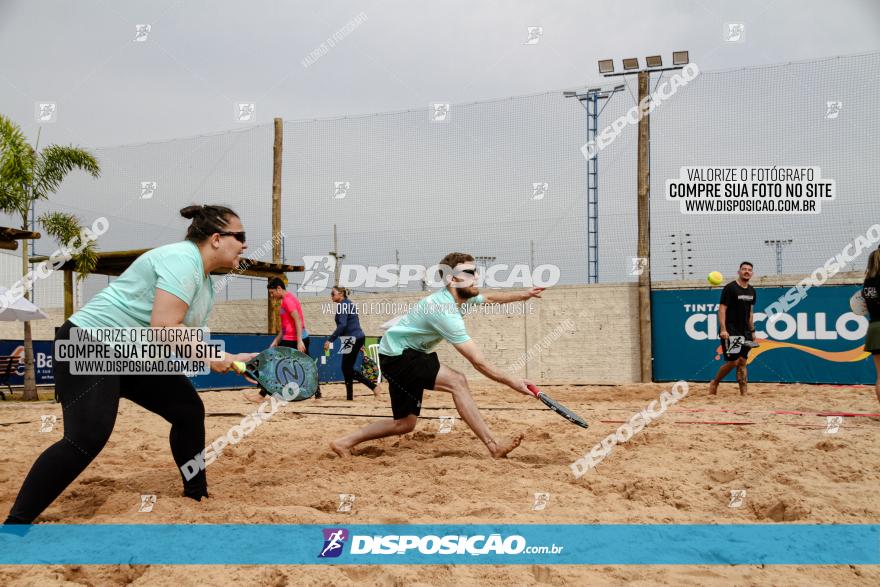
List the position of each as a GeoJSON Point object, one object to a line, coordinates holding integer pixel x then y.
{"type": "Point", "coordinates": [337, 257]}
{"type": "Point", "coordinates": [644, 234]}
{"type": "Point", "coordinates": [526, 304]}
{"type": "Point", "coordinates": [681, 255]}
{"type": "Point", "coordinates": [273, 320]}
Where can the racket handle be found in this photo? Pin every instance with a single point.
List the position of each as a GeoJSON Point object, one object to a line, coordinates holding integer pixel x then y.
{"type": "Point", "coordinates": [535, 391]}
{"type": "Point", "coordinates": [239, 366]}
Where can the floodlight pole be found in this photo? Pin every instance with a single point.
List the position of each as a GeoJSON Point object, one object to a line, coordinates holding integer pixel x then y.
{"type": "Point", "coordinates": [644, 235]}
{"type": "Point", "coordinates": [778, 244]}
{"type": "Point", "coordinates": [644, 212]}
{"type": "Point", "coordinates": [590, 101]}
{"type": "Point", "coordinates": [337, 258]}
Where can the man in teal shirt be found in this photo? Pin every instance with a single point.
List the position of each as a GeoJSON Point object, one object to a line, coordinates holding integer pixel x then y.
{"type": "Point", "coordinates": [410, 366]}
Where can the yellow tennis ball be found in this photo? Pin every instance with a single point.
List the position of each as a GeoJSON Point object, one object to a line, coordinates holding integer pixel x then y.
{"type": "Point", "coordinates": [715, 278]}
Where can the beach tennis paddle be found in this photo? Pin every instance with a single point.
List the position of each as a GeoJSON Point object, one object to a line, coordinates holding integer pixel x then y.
{"type": "Point", "coordinates": [557, 407]}
{"type": "Point", "coordinates": [277, 367]}
{"type": "Point", "coordinates": [858, 305]}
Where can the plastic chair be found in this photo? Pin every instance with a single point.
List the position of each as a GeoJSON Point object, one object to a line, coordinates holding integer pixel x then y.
{"type": "Point", "coordinates": [373, 351]}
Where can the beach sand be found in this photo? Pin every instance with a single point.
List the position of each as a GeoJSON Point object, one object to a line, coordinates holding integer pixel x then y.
{"type": "Point", "coordinates": [679, 469]}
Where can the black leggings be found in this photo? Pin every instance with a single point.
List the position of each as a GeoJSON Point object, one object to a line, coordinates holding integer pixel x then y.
{"type": "Point", "coordinates": [89, 404]}
{"type": "Point", "coordinates": [348, 371]}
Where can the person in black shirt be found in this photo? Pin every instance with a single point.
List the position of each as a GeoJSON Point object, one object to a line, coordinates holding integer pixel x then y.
{"type": "Point", "coordinates": [736, 318]}
{"type": "Point", "coordinates": [871, 293]}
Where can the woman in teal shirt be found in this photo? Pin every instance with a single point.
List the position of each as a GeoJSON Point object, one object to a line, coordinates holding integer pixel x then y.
{"type": "Point", "coordinates": [169, 286]}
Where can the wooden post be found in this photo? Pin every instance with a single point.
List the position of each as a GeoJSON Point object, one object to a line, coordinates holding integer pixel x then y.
{"type": "Point", "coordinates": [68, 293]}
{"type": "Point", "coordinates": [335, 258]}
{"type": "Point", "coordinates": [525, 308]}
{"type": "Point", "coordinates": [644, 234]}
{"type": "Point", "coordinates": [29, 391]}
{"type": "Point", "coordinates": [272, 320]}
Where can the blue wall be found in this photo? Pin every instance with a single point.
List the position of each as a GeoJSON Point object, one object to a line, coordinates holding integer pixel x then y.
{"type": "Point", "coordinates": [44, 351]}
{"type": "Point", "coordinates": [686, 345]}
{"type": "Point", "coordinates": [235, 343]}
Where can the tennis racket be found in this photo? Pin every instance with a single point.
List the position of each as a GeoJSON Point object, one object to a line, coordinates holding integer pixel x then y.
{"type": "Point", "coordinates": [277, 367]}
{"type": "Point", "coordinates": [557, 407]}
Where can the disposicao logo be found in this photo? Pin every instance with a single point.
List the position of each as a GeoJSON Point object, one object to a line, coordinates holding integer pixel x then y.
{"type": "Point", "coordinates": [432, 544]}
{"type": "Point", "coordinates": [334, 540]}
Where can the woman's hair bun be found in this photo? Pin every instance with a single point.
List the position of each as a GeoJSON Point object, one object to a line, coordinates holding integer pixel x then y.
{"type": "Point", "coordinates": [206, 220]}
{"type": "Point", "coordinates": [191, 211]}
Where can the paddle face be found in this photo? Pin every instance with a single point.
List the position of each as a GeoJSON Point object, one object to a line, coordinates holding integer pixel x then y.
{"type": "Point", "coordinates": [276, 367]}
{"type": "Point", "coordinates": [857, 304]}
{"type": "Point", "coordinates": [558, 408]}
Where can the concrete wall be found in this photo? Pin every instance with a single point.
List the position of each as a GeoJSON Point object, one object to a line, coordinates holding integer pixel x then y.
{"type": "Point", "coordinates": [576, 334]}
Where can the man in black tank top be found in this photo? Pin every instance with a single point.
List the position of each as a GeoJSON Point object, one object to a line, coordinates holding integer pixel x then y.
{"type": "Point", "coordinates": [737, 328]}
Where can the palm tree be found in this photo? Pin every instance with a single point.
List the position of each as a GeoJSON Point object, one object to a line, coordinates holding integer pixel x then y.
{"type": "Point", "coordinates": [28, 175]}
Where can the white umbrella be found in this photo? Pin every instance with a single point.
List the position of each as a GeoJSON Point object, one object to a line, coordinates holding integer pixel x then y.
{"type": "Point", "coordinates": [21, 309]}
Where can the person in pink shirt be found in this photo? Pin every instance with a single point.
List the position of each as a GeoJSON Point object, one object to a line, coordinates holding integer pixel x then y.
{"type": "Point", "coordinates": [293, 331]}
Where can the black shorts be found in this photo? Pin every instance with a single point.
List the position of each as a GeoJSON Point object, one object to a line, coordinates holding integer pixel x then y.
{"type": "Point", "coordinates": [872, 338]}
{"type": "Point", "coordinates": [409, 375]}
{"type": "Point", "coordinates": [740, 351]}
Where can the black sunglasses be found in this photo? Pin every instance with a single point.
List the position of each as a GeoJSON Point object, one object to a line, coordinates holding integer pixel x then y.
{"type": "Point", "coordinates": [472, 272]}
{"type": "Point", "coordinates": [239, 236]}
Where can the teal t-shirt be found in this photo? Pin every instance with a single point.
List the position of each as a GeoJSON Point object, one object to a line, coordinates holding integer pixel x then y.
{"type": "Point", "coordinates": [435, 318]}
{"type": "Point", "coordinates": [128, 301]}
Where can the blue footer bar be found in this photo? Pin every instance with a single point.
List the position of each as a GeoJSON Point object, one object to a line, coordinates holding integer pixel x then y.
{"type": "Point", "coordinates": [238, 544]}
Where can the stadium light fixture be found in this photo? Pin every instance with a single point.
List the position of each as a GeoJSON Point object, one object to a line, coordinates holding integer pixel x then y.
{"type": "Point", "coordinates": [606, 66]}
{"type": "Point", "coordinates": [680, 58]}
{"type": "Point", "coordinates": [630, 63]}
{"type": "Point", "coordinates": [654, 61]}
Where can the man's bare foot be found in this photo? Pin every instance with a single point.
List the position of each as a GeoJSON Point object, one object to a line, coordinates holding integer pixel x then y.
{"type": "Point", "coordinates": [253, 396]}
{"type": "Point", "coordinates": [713, 388]}
{"type": "Point", "coordinates": [340, 449]}
{"type": "Point", "coordinates": [501, 449]}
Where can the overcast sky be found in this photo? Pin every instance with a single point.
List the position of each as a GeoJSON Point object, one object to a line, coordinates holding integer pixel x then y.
{"type": "Point", "coordinates": [202, 57]}
{"type": "Point", "coordinates": [419, 189]}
